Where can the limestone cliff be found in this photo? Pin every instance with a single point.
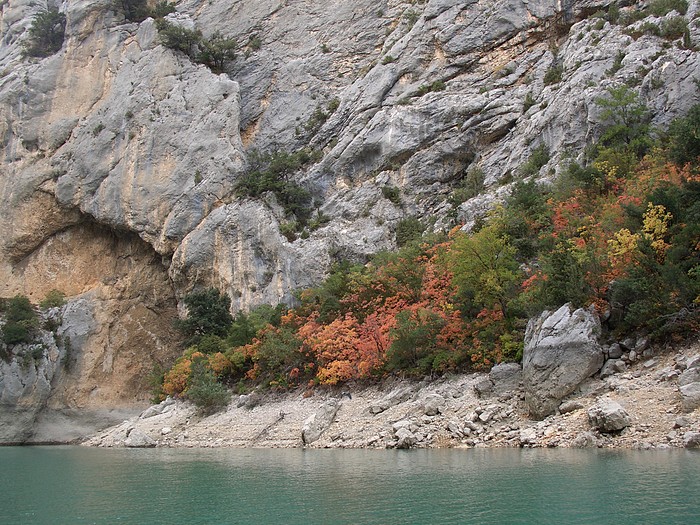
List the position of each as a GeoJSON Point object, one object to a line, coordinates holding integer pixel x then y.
{"type": "Point", "coordinates": [120, 156]}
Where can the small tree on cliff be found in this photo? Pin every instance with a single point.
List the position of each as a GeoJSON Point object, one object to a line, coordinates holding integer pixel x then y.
{"type": "Point", "coordinates": [207, 314]}
{"type": "Point", "coordinates": [46, 33]}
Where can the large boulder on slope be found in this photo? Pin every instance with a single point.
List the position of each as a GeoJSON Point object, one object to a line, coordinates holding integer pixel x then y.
{"type": "Point", "coordinates": [608, 416]}
{"type": "Point", "coordinates": [319, 422]}
{"type": "Point", "coordinates": [561, 350]}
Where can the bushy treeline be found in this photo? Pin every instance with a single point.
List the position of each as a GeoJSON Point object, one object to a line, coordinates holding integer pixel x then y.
{"type": "Point", "coordinates": [620, 232]}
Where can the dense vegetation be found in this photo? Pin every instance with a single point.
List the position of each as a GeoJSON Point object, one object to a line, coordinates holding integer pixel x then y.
{"type": "Point", "coordinates": [619, 232]}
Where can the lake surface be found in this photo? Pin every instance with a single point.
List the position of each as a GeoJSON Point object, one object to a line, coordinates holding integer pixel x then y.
{"type": "Point", "coordinates": [74, 485]}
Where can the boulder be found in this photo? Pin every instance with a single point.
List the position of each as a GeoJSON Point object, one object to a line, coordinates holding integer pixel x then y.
{"type": "Point", "coordinates": [690, 375]}
{"type": "Point", "coordinates": [137, 439]}
{"type": "Point", "coordinates": [158, 409]}
{"type": "Point", "coordinates": [432, 405]}
{"type": "Point", "coordinates": [395, 397]}
{"type": "Point", "coordinates": [570, 406]}
{"type": "Point", "coordinates": [405, 438]}
{"type": "Point", "coordinates": [585, 440]}
{"type": "Point", "coordinates": [561, 350]}
{"type": "Point", "coordinates": [608, 416]}
{"type": "Point", "coordinates": [319, 422]}
{"type": "Point", "coordinates": [484, 387]}
{"type": "Point", "coordinates": [691, 440]}
{"type": "Point", "coordinates": [528, 436]}
{"type": "Point", "coordinates": [614, 351]}
{"type": "Point", "coordinates": [506, 377]}
{"type": "Point", "coordinates": [690, 397]}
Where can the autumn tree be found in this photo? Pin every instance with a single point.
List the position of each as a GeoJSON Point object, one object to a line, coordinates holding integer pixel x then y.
{"type": "Point", "coordinates": [485, 269]}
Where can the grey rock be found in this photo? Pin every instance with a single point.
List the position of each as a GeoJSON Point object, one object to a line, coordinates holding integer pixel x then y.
{"type": "Point", "coordinates": [585, 440]}
{"type": "Point", "coordinates": [570, 406]}
{"type": "Point", "coordinates": [608, 369]}
{"type": "Point", "coordinates": [405, 438]}
{"type": "Point", "coordinates": [484, 387]}
{"type": "Point", "coordinates": [608, 416]}
{"type": "Point", "coordinates": [680, 422]}
{"type": "Point", "coordinates": [628, 344]}
{"type": "Point", "coordinates": [691, 440]}
{"type": "Point", "coordinates": [404, 423]}
{"type": "Point", "coordinates": [249, 401]}
{"type": "Point", "coordinates": [690, 396]}
{"type": "Point", "coordinates": [693, 362]}
{"type": "Point", "coordinates": [614, 351]}
{"type": "Point", "coordinates": [690, 375]}
{"type": "Point", "coordinates": [561, 350]}
{"type": "Point", "coordinates": [506, 377]}
{"type": "Point", "coordinates": [158, 409]}
{"type": "Point", "coordinates": [650, 363]}
{"type": "Point", "coordinates": [318, 423]}
{"type": "Point", "coordinates": [528, 436]}
{"type": "Point", "coordinates": [433, 404]}
{"type": "Point", "coordinates": [137, 439]}
{"type": "Point", "coordinates": [399, 395]}
{"type": "Point", "coordinates": [454, 428]}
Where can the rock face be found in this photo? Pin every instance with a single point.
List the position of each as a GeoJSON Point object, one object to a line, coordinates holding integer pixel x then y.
{"type": "Point", "coordinates": [561, 350]}
{"type": "Point", "coordinates": [120, 157]}
{"type": "Point", "coordinates": [25, 387]}
{"type": "Point", "coordinates": [319, 422]}
{"type": "Point", "coordinates": [689, 385]}
{"type": "Point", "coordinates": [608, 416]}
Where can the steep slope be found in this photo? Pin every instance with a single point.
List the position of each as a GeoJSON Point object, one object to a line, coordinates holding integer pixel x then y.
{"type": "Point", "coordinates": [121, 157]}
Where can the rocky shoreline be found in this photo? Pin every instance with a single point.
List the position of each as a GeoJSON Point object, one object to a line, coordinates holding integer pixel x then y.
{"type": "Point", "coordinates": [638, 404]}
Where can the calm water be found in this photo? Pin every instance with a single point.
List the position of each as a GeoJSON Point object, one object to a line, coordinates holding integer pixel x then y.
{"type": "Point", "coordinates": [72, 485]}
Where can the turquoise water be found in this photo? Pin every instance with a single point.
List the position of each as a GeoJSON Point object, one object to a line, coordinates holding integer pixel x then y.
{"type": "Point", "coordinates": [74, 485]}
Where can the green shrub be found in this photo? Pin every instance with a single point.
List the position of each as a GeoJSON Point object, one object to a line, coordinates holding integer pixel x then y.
{"type": "Point", "coordinates": [663, 7]}
{"type": "Point", "coordinates": [626, 121]}
{"type": "Point", "coordinates": [469, 187]}
{"type": "Point", "coordinates": [289, 230]}
{"type": "Point", "coordinates": [415, 342]}
{"type": "Point", "coordinates": [271, 173]}
{"type": "Point", "coordinates": [207, 314]}
{"type": "Point", "coordinates": [217, 51]}
{"type": "Point", "coordinates": [162, 9]}
{"type": "Point", "coordinates": [617, 64]}
{"type": "Point", "coordinates": [538, 158]}
{"type": "Point", "coordinates": [392, 194]}
{"type": "Point", "coordinates": [407, 230]}
{"type": "Point", "coordinates": [179, 38]}
{"type": "Point", "coordinates": [54, 299]}
{"type": "Point", "coordinates": [437, 85]}
{"type": "Point", "coordinates": [553, 75]}
{"type": "Point", "coordinates": [20, 321]}
{"type": "Point", "coordinates": [208, 395]}
{"type": "Point", "coordinates": [529, 101]}
{"type": "Point", "coordinates": [411, 17]}
{"type": "Point", "coordinates": [254, 43]}
{"type": "Point", "coordinates": [673, 28]}
{"type": "Point", "coordinates": [134, 10]}
{"type": "Point", "coordinates": [46, 33]}
{"type": "Point", "coordinates": [684, 138]}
